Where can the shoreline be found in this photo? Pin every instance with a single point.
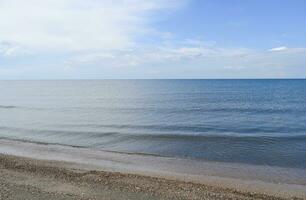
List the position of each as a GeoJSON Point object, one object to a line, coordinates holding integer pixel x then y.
{"type": "Point", "coordinates": [244, 181]}
{"type": "Point", "coordinates": [36, 179]}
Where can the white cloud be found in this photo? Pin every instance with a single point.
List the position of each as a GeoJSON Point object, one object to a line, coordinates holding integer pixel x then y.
{"type": "Point", "coordinates": [85, 35]}
{"type": "Point", "coordinates": [76, 24]}
{"type": "Point", "coordinates": [9, 50]}
{"type": "Point", "coordinates": [196, 58]}
{"type": "Point", "coordinates": [288, 50]}
{"type": "Point", "coordinates": [279, 49]}
{"type": "Point", "coordinates": [158, 55]}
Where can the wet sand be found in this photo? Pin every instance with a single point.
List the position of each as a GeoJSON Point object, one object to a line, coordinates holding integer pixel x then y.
{"type": "Point", "coordinates": [38, 171]}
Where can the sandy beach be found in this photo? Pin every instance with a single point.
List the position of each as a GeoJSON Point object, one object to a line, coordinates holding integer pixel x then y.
{"type": "Point", "coordinates": [23, 178]}
{"type": "Point", "coordinates": [39, 171]}
{"type": "Point", "coordinates": [152, 100]}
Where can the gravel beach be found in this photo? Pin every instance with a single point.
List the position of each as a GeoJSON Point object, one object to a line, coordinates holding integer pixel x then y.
{"type": "Point", "coordinates": [23, 178]}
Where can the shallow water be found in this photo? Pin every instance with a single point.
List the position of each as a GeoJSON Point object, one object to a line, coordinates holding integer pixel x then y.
{"type": "Point", "coordinates": [260, 122]}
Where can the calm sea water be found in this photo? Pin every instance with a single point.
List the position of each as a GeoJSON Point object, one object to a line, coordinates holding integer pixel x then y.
{"type": "Point", "coordinates": [259, 122]}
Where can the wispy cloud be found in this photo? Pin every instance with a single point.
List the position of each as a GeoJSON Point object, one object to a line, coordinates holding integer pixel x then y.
{"type": "Point", "coordinates": [77, 24]}
{"type": "Point", "coordinates": [279, 49]}
{"type": "Point", "coordinates": [104, 36]}
{"type": "Point", "coordinates": [177, 52]}
{"type": "Point", "coordinates": [287, 49]}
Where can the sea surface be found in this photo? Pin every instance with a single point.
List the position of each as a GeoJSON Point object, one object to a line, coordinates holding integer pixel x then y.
{"type": "Point", "coordinates": [259, 122]}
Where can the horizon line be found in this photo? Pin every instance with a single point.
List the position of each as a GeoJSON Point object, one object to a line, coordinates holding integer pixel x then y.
{"type": "Point", "coordinates": [93, 79]}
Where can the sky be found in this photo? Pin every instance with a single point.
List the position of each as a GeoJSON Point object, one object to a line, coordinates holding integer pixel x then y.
{"type": "Point", "coordinates": [140, 39]}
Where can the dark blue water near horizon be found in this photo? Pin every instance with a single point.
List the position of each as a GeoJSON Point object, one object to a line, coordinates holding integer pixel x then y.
{"type": "Point", "coordinates": [260, 122]}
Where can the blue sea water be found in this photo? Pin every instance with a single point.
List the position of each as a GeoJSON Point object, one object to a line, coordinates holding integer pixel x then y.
{"type": "Point", "coordinates": [261, 122]}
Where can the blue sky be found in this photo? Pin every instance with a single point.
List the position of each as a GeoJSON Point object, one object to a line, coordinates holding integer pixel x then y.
{"type": "Point", "coordinates": [76, 39]}
{"type": "Point", "coordinates": [257, 24]}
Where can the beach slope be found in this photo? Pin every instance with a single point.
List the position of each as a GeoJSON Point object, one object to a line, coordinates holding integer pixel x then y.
{"type": "Point", "coordinates": [25, 178]}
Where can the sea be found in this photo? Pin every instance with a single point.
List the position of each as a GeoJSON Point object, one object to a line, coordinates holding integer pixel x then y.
{"type": "Point", "coordinates": [257, 122]}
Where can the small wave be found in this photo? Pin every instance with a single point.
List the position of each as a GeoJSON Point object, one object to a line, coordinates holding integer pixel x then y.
{"type": "Point", "coordinates": [196, 128]}
{"type": "Point", "coordinates": [24, 107]}
{"type": "Point", "coordinates": [215, 137]}
{"type": "Point", "coordinates": [39, 142]}
{"type": "Point", "coordinates": [95, 135]}
{"type": "Point", "coordinates": [180, 110]}
{"type": "Point", "coordinates": [54, 132]}
{"type": "Point", "coordinates": [81, 147]}
{"type": "Point", "coordinates": [7, 107]}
